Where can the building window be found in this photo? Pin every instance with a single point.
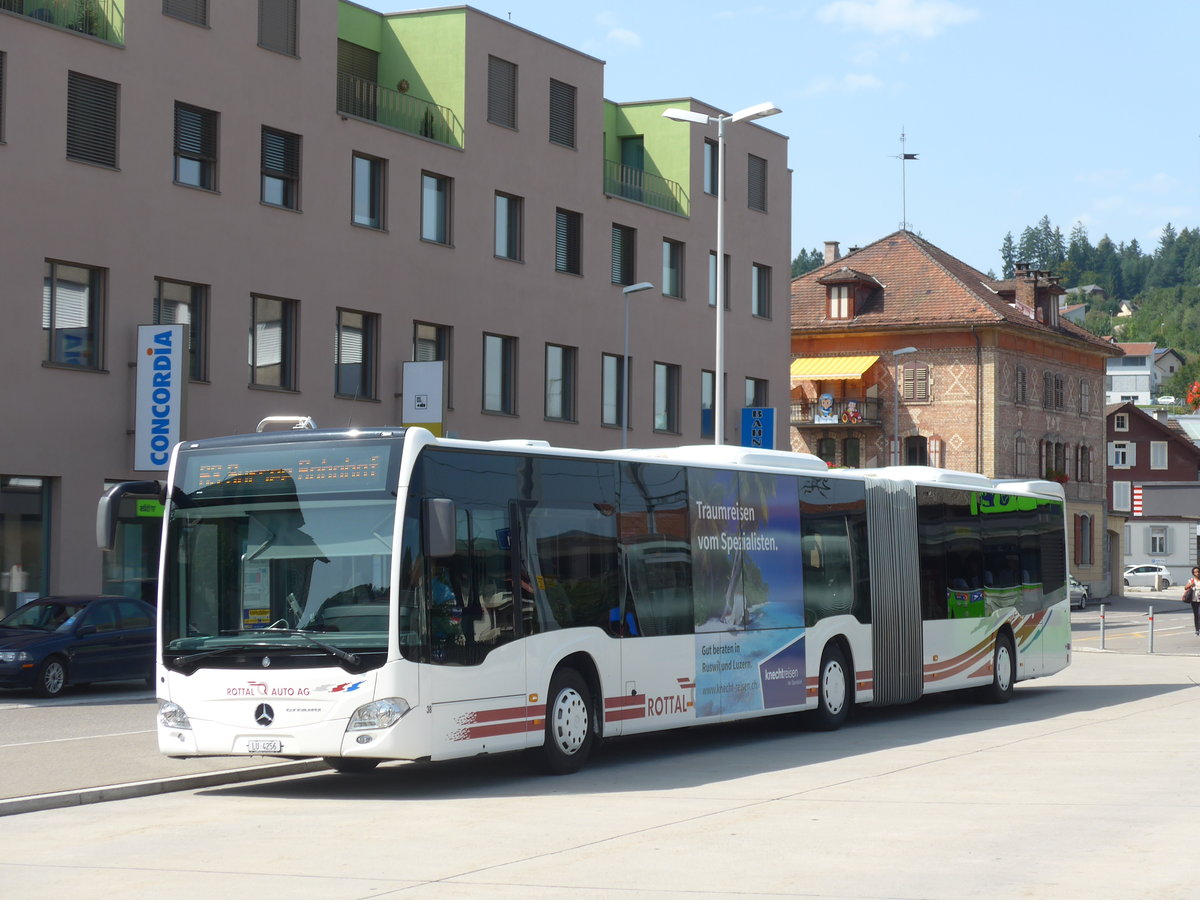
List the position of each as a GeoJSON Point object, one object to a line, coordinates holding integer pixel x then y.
{"type": "Point", "coordinates": [435, 208]}
{"type": "Point", "coordinates": [624, 254]}
{"type": "Point", "coordinates": [273, 328]}
{"type": "Point", "coordinates": [1158, 454]}
{"type": "Point", "coordinates": [92, 119]}
{"type": "Point", "coordinates": [827, 449]}
{"type": "Point", "coordinates": [1021, 391]}
{"type": "Point", "coordinates": [1122, 496]}
{"type": "Point", "coordinates": [72, 315]}
{"type": "Point", "coordinates": [666, 397]}
{"type": "Point", "coordinates": [1158, 540]}
{"type": "Point", "coordinates": [1121, 422]}
{"type": "Point", "coordinates": [672, 268]}
{"type": "Point", "coordinates": [1085, 396]}
{"type": "Point", "coordinates": [1083, 464]}
{"type": "Point", "coordinates": [195, 146]}
{"type": "Point", "coordinates": [508, 226]}
{"type": "Point", "coordinates": [712, 166]}
{"type": "Point", "coordinates": [756, 181]}
{"type": "Point", "coordinates": [760, 291]}
{"type": "Point", "coordinates": [916, 450]}
{"type": "Point", "coordinates": [1020, 456]}
{"type": "Point", "coordinates": [612, 388]}
{"type": "Point", "coordinates": [277, 25]}
{"type": "Point", "coordinates": [560, 382]}
{"type": "Point", "coordinates": [706, 404]}
{"type": "Point", "coordinates": [502, 92]}
{"type": "Point", "coordinates": [1059, 392]}
{"type": "Point", "coordinates": [756, 393]}
{"type": "Point", "coordinates": [568, 238]}
{"type": "Point", "coordinates": [839, 302]}
{"type": "Point", "coordinates": [712, 279]}
{"type": "Point", "coordinates": [369, 178]}
{"type": "Point", "coordinates": [431, 343]}
{"type": "Point", "coordinates": [25, 522]}
{"type": "Point", "coordinates": [1083, 540]}
{"type": "Point", "coordinates": [915, 383]}
{"type": "Point", "coordinates": [1122, 454]}
{"type": "Point", "coordinates": [355, 355]}
{"type": "Point", "coordinates": [852, 452]}
{"type": "Point", "coordinates": [500, 374]}
{"type": "Point", "coordinates": [181, 303]}
{"type": "Point", "coordinates": [562, 113]}
{"type": "Point", "coordinates": [280, 168]}
{"type": "Point", "coordinates": [194, 11]}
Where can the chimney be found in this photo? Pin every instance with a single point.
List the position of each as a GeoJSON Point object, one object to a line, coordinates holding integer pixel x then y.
{"type": "Point", "coordinates": [831, 252]}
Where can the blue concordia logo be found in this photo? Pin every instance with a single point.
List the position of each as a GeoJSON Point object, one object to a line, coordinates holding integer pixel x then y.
{"type": "Point", "coordinates": [161, 398]}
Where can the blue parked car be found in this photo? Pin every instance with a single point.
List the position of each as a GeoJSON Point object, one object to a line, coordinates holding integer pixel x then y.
{"type": "Point", "coordinates": [55, 641]}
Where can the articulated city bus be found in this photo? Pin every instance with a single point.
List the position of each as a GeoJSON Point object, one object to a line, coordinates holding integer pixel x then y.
{"type": "Point", "coordinates": [374, 594]}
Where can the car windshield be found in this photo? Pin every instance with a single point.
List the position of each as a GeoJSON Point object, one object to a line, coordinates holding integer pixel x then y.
{"type": "Point", "coordinates": [44, 616]}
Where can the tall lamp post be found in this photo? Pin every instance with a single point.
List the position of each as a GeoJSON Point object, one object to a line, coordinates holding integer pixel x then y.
{"type": "Point", "coordinates": [760, 111]}
{"type": "Point", "coordinates": [896, 406]}
{"type": "Point", "coordinates": [626, 291]}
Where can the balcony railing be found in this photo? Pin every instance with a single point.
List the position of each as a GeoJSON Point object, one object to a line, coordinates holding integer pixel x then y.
{"type": "Point", "coordinates": [644, 187]}
{"type": "Point", "coordinates": [367, 100]}
{"type": "Point", "coordinates": [842, 413]}
{"type": "Point", "coordinates": [104, 19]}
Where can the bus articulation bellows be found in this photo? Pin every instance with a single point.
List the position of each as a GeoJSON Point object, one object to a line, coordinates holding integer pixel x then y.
{"type": "Point", "coordinates": [370, 594]}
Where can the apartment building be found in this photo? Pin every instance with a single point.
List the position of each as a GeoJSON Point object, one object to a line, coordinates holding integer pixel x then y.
{"type": "Point", "coordinates": [324, 195]}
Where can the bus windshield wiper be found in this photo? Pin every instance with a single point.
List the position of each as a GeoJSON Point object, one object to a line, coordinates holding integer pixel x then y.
{"type": "Point", "coordinates": [336, 652]}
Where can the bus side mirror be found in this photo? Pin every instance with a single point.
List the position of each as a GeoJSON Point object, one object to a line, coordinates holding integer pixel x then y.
{"type": "Point", "coordinates": [438, 528]}
{"type": "Point", "coordinates": [110, 503]}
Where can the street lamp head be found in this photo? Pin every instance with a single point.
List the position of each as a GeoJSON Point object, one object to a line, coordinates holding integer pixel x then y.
{"type": "Point", "coordinates": [686, 115]}
{"type": "Point", "coordinates": [760, 111]}
{"type": "Point", "coordinates": [903, 351]}
{"type": "Point", "coordinates": [634, 288]}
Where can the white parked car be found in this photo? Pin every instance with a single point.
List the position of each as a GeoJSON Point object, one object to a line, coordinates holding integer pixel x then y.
{"type": "Point", "coordinates": [1146, 574]}
{"type": "Point", "coordinates": [1168, 400]}
{"type": "Point", "coordinates": [1079, 593]}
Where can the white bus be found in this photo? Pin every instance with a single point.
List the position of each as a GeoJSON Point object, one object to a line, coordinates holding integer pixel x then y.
{"type": "Point", "coordinates": [375, 594]}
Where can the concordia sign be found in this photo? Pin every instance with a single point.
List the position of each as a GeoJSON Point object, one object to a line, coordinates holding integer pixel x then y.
{"type": "Point", "coordinates": [161, 357]}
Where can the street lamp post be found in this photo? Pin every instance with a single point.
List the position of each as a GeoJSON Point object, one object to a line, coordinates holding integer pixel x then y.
{"type": "Point", "coordinates": [626, 291]}
{"type": "Point", "coordinates": [760, 111]}
{"type": "Point", "coordinates": [896, 407]}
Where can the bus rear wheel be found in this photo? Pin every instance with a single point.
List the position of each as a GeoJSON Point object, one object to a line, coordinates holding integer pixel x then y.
{"type": "Point", "coordinates": [570, 727]}
{"type": "Point", "coordinates": [1004, 671]}
{"type": "Point", "coordinates": [835, 690]}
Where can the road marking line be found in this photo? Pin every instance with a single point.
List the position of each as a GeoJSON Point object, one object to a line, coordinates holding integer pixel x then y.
{"type": "Point", "coordinates": [84, 737]}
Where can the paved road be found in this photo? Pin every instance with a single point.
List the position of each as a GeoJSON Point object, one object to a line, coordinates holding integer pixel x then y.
{"type": "Point", "coordinates": [1082, 786]}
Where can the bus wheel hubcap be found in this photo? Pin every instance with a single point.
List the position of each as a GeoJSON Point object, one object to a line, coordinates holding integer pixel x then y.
{"type": "Point", "coordinates": [570, 721]}
{"type": "Point", "coordinates": [834, 688]}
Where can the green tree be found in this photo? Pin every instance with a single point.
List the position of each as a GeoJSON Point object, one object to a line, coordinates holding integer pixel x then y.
{"type": "Point", "coordinates": [806, 261]}
{"type": "Point", "coordinates": [1008, 256]}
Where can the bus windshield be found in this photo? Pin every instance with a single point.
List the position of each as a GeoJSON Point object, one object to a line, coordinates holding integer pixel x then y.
{"type": "Point", "coordinates": [256, 559]}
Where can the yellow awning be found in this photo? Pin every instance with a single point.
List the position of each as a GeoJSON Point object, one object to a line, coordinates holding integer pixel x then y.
{"type": "Point", "coordinates": [831, 368]}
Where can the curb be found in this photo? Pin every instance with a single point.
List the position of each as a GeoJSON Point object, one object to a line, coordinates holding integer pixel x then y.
{"type": "Point", "coordinates": [82, 796]}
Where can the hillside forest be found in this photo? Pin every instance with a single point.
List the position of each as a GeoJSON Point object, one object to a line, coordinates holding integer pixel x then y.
{"type": "Point", "coordinates": [1161, 285]}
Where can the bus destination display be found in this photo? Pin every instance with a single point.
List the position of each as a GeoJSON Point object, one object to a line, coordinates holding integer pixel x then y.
{"type": "Point", "coordinates": [340, 470]}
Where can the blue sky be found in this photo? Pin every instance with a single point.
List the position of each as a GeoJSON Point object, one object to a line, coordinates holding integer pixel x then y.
{"type": "Point", "coordinates": [1081, 111]}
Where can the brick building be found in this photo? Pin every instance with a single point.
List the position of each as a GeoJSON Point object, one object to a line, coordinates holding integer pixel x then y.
{"type": "Point", "coordinates": [988, 378]}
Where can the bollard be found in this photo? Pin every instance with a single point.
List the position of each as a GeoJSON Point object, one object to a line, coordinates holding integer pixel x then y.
{"type": "Point", "coordinates": [1101, 626]}
{"type": "Point", "coordinates": [1150, 633]}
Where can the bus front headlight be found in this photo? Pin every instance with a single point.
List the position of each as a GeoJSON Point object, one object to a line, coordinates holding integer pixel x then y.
{"type": "Point", "coordinates": [378, 714]}
{"type": "Point", "coordinates": [171, 715]}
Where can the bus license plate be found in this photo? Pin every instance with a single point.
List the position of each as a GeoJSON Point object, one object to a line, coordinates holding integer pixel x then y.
{"type": "Point", "coordinates": [264, 746]}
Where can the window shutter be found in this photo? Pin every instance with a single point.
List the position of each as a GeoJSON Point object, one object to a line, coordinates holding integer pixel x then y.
{"type": "Point", "coordinates": [277, 25]}
{"type": "Point", "coordinates": [756, 180]}
{"type": "Point", "coordinates": [1078, 540]}
{"type": "Point", "coordinates": [1112, 453]}
{"type": "Point", "coordinates": [921, 387]}
{"type": "Point", "coordinates": [562, 113]}
{"type": "Point", "coordinates": [279, 156]}
{"type": "Point", "coordinates": [502, 92]}
{"type": "Point", "coordinates": [1148, 540]}
{"type": "Point", "coordinates": [195, 132]}
{"type": "Point", "coordinates": [566, 242]}
{"type": "Point", "coordinates": [1131, 449]}
{"type": "Point", "coordinates": [1022, 388]}
{"type": "Point", "coordinates": [194, 11]}
{"type": "Point", "coordinates": [92, 119]}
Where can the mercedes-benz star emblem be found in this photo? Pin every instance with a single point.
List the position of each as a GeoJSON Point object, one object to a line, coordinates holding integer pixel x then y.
{"type": "Point", "coordinates": [264, 715]}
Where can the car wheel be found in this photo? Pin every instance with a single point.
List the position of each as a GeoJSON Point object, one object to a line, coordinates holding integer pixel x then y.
{"type": "Point", "coordinates": [1083, 601]}
{"type": "Point", "coordinates": [570, 729]}
{"type": "Point", "coordinates": [835, 690]}
{"type": "Point", "coordinates": [51, 677]}
{"type": "Point", "coordinates": [351, 765]}
{"type": "Point", "coordinates": [1126, 582]}
{"type": "Point", "coordinates": [1166, 583]}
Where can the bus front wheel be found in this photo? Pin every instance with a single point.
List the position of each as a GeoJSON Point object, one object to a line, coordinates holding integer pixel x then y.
{"type": "Point", "coordinates": [1004, 671]}
{"type": "Point", "coordinates": [835, 690]}
{"type": "Point", "coordinates": [570, 729]}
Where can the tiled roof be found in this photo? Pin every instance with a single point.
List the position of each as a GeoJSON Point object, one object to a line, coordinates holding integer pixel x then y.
{"type": "Point", "coordinates": [922, 286]}
{"type": "Point", "coordinates": [1138, 348]}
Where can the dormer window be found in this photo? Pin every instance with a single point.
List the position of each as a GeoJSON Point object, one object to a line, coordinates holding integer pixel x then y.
{"type": "Point", "coordinates": [841, 301]}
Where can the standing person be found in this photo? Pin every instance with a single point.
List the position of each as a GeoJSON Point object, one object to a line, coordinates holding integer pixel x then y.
{"type": "Point", "coordinates": [1191, 595]}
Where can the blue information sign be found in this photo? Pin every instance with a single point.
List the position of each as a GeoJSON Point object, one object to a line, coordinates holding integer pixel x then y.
{"type": "Point", "coordinates": [758, 427]}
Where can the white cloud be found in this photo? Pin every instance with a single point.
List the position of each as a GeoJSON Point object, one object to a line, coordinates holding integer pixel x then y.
{"type": "Point", "coordinates": [920, 18]}
{"type": "Point", "coordinates": [625, 38]}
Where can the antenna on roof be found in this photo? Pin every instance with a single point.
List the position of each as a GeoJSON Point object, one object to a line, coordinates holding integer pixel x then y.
{"type": "Point", "coordinates": [904, 158]}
